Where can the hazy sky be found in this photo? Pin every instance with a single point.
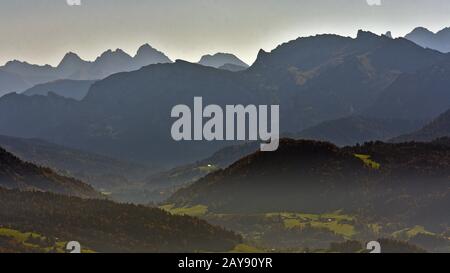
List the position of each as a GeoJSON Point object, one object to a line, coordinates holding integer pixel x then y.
{"type": "Point", "coordinates": [42, 31]}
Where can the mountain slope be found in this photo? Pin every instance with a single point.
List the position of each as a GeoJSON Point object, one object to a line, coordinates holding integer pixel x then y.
{"type": "Point", "coordinates": [358, 129]}
{"type": "Point", "coordinates": [160, 185]}
{"type": "Point", "coordinates": [71, 66]}
{"type": "Point", "coordinates": [233, 67]}
{"type": "Point", "coordinates": [220, 59]}
{"type": "Point", "coordinates": [10, 82]}
{"type": "Point", "coordinates": [30, 73]}
{"type": "Point", "coordinates": [121, 114]}
{"type": "Point", "coordinates": [420, 95]}
{"type": "Point", "coordinates": [127, 115]}
{"type": "Point", "coordinates": [105, 226]}
{"type": "Point", "coordinates": [99, 171]}
{"type": "Point", "coordinates": [317, 177]}
{"type": "Point", "coordinates": [439, 41]}
{"type": "Point", "coordinates": [438, 128]}
{"type": "Point", "coordinates": [302, 177]}
{"type": "Point", "coordinates": [65, 88]}
{"type": "Point", "coordinates": [327, 77]}
{"type": "Point", "coordinates": [16, 174]}
{"type": "Point", "coordinates": [147, 55]}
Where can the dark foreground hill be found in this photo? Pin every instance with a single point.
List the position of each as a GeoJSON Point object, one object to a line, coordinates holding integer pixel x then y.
{"type": "Point", "coordinates": [385, 180]}
{"type": "Point", "coordinates": [358, 129]}
{"type": "Point", "coordinates": [16, 174]}
{"type": "Point", "coordinates": [105, 226]}
{"type": "Point", "coordinates": [300, 174]}
{"type": "Point", "coordinates": [99, 171]}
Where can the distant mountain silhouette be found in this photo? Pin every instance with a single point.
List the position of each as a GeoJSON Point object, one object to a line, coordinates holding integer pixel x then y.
{"type": "Point", "coordinates": [358, 129]}
{"type": "Point", "coordinates": [438, 128]}
{"type": "Point", "coordinates": [16, 174]}
{"type": "Point", "coordinates": [111, 62]}
{"type": "Point", "coordinates": [421, 95]}
{"type": "Point", "coordinates": [439, 41]}
{"type": "Point", "coordinates": [71, 66]}
{"type": "Point", "coordinates": [147, 55]}
{"type": "Point", "coordinates": [220, 59]}
{"type": "Point", "coordinates": [66, 88]}
{"type": "Point", "coordinates": [11, 82]}
{"type": "Point", "coordinates": [313, 79]}
{"type": "Point", "coordinates": [74, 68]}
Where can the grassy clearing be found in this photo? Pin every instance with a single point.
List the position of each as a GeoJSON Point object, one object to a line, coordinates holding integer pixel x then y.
{"type": "Point", "coordinates": [243, 248]}
{"type": "Point", "coordinates": [408, 233]}
{"type": "Point", "coordinates": [335, 222]}
{"type": "Point", "coordinates": [368, 161]}
{"type": "Point", "coordinates": [345, 230]}
{"type": "Point", "coordinates": [195, 211]}
{"type": "Point", "coordinates": [17, 235]}
{"type": "Point", "coordinates": [22, 238]}
{"type": "Point", "coordinates": [208, 168]}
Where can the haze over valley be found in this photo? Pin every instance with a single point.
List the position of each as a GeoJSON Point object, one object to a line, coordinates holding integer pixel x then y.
{"type": "Point", "coordinates": [87, 154]}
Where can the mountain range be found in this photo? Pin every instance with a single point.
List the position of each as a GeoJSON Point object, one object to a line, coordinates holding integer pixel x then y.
{"type": "Point", "coordinates": [313, 79]}
{"type": "Point", "coordinates": [439, 41]}
{"type": "Point", "coordinates": [84, 132]}
{"type": "Point", "coordinates": [16, 76]}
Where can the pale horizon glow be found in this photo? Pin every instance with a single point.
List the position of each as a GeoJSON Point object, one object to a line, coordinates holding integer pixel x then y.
{"type": "Point", "coordinates": [43, 31]}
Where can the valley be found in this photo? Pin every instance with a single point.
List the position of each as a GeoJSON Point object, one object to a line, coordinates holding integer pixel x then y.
{"type": "Point", "coordinates": [88, 151]}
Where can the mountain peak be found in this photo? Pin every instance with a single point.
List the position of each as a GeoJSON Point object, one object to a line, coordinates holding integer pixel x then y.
{"type": "Point", "coordinates": [219, 59]}
{"type": "Point", "coordinates": [422, 30]}
{"type": "Point", "coordinates": [70, 58]}
{"type": "Point", "coordinates": [117, 52]}
{"type": "Point", "coordinates": [147, 55]}
{"type": "Point", "coordinates": [439, 41]}
{"type": "Point", "coordinates": [145, 48]}
{"type": "Point", "coordinates": [362, 34]}
{"type": "Point", "coordinates": [444, 31]}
